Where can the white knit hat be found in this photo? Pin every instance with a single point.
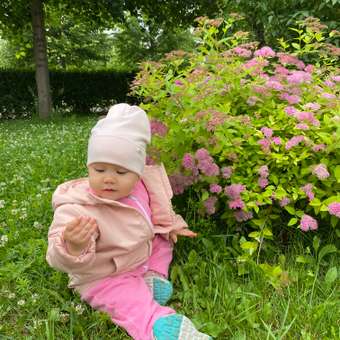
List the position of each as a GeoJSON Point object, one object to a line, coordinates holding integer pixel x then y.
{"type": "Point", "coordinates": [121, 138]}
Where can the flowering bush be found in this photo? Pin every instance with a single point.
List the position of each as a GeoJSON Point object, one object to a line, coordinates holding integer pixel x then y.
{"type": "Point", "coordinates": [253, 131]}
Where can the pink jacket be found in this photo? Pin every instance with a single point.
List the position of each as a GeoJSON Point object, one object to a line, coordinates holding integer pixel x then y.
{"type": "Point", "coordinates": [125, 236]}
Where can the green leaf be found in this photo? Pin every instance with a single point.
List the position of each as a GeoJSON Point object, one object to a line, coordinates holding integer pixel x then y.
{"type": "Point", "coordinates": [328, 249]}
{"type": "Point", "coordinates": [292, 221]}
{"type": "Point", "coordinates": [290, 209]}
{"type": "Point", "coordinates": [296, 46]}
{"type": "Point", "coordinates": [304, 259]}
{"type": "Point", "coordinates": [274, 179]}
{"type": "Point", "coordinates": [255, 234]}
{"type": "Point", "coordinates": [331, 275]}
{"type": "Point", "coordinates": [258, 222]}
{"type": "Point", "coordinates": [249, 246]}
{"type": "Point", "coordinates": [337, 173]}
{"type": "Point", "coordinates": [205, 195]}
{"type": "Point", "coordinates": [331, 200]}
{"type": "Point", "coordinates": [316, 243]}
{"type": "Point", "coordinates": [267, 232]}
{"type": "Point", "coordinates": [315, 202]}
{"type": "Point", "coordinates": [334, 221]}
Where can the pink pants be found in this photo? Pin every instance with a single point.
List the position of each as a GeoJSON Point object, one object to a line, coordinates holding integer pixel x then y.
{"type": "Point", "coordinates": [127, 298]}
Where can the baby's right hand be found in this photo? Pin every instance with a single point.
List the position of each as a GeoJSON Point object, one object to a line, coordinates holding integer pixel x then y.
{"type": "Point", "coordinates": [78, 232]}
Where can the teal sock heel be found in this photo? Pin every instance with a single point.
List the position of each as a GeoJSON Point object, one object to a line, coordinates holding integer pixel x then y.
{"type": "Point", "coordinates": [176, 327]}
{"type": "Point", "coordinates": [161, 288]}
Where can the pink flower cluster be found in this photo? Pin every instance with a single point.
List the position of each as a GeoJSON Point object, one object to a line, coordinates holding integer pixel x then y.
{"type": "Point", "coordinates": [242, 216]}
{"type": "Point", "coordinates": [312, 106]}
{"type": "Point", "coordinates": [188, 161]}
{"type": "Point", "coordinates": [266, 142]}
{"type": "Point", "coordinates": [290, 98]}
{"type": "Point", "coordinates": [180, 182]}
{"type": "Point", "coordinates": [215, 188]}
{"type": "Point", "coordinates": [290, 59]}
{"type": "Point", "coordinates": [202, 161]}
{"type": "Point", "coordinates": [242, 52]}
{"type": "Point", "coordinates": [265, 52]}
{"type": "Point", "coordinates": [308, 223]}
{"type": "Point", "coordinates": [284, 201]}
{"type": "Point", "coordinates": [206, 163]}
{"type": "Point", "coordinates": [263, 179]}
{"type": "Point", "coordinates": [320, 171]}
{"type": "Point", "coordinates": [308, 190]}
{"type": "Point", "coordinates": [299, 77]}
{"type": "Point", "coordinates": [306, 116]}
{"type": "Point", "coordinates": [294, 141]}
{"type": "Point", "coordinates": [217, 118]}
{"type": "Point", "coordinates": [256, 65]}
{"type": "Point", "coordinates": [319, 147]}
{"type": "Point", "coordinates": [275, 85]}
{"type": "Point", "coordinates": [302, 126]}
{"type": "Point", "coordinates": [267, 132]}
{"type": "Point", "coordinates": [209, 205]}
{"type": "Point", "coordinates": [290, 110]}
{"type": "Point", "coordinates": [328, 95]}
{"type": "Point", "coordinates": [227, 171]}
{"type": "Point", "coordinates": [234, 191]}
{"type": "Point", "coordinates": [158, 128]}
{"type": "Point", "coordinates": [252, 100]}
{"type": "Point", "coordinates": [334, 209]}
{"type": "Point", "coordinates": [303, 116]}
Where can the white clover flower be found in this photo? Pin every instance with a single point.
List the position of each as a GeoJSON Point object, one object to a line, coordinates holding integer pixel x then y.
{"type": "Point", "coordinates": [14, 211]}
{"type": "Point", "coordinates": [64, 317]}
{"type": "Point", "coordinates": [35, 297]}
{"type": "Point", "coordinates": [21, 302]}
{"type": "Point", "coordinates": [79, 309]}
{"type": "Point", "coordinates": [3, 240]}
{"type": "Point", "coordinates": [37, 225]}
{"type": "Point", "coordinates": [11, 295]}
{"type": "Point", "coordinates": [2, 203]}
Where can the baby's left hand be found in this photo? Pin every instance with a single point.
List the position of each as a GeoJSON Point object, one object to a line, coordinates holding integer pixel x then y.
{"type": "Point", "coordinates": [182, 232]}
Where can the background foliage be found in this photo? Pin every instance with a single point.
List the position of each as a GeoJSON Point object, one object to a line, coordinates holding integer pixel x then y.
{"type": "Point", "coordinates": [74, 91]}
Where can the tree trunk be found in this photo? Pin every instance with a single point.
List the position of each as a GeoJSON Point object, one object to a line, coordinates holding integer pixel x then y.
{"type": "Point", "coordinates": [40, 57]}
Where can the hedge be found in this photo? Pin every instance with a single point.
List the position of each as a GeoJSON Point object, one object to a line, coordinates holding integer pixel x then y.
{"type": "Point", "coordinates": [78, 92]}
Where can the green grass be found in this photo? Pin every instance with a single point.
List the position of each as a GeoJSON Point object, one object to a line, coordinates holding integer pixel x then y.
{"type": "Point", "coordinates": [35, 302]}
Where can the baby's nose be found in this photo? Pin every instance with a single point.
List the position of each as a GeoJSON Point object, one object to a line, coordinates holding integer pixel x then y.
{"type": "Point", "coordinates": [109, 179]}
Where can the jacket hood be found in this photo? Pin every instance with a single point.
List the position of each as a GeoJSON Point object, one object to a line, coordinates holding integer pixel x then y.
{"type": "Point", "coordinates": [76, 191]}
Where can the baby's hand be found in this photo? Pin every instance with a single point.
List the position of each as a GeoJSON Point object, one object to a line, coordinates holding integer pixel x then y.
{"type": "Point", "coordinates": [182, 232]}
{"type": "Point", "coordinates": [78, 232]}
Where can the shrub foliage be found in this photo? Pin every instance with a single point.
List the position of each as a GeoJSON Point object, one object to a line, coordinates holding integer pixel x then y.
{"type": "Point", "coordinates": [254, 132]}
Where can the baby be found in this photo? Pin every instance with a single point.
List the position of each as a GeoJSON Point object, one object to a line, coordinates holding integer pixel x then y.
{"type": "Point", "coordinates": [113, 232]}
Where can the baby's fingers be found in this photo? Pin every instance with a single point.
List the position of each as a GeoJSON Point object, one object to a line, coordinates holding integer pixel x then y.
{"type": "Point", "coordinates": [70, 226]}
{"type": "Point", "coordinates": [186, 232]}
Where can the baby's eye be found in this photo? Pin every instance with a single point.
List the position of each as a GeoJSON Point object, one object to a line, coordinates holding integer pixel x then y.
{"type": "Point", "coordinates": [122, 172]}
{"type": "Point", "coordinates": [99, 170]}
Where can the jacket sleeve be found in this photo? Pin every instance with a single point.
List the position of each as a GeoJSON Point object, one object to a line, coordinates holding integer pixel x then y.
{"type": "Point", "coordinates": [57, 255]}
{"type": "Point", "coordinates": [164, 217]}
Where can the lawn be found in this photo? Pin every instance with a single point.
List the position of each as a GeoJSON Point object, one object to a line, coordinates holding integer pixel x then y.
{"type": "Point", "coordinates": [35, 302]}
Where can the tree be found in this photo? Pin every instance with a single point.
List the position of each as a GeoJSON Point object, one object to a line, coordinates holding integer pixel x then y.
{"type": "Point", "coordinates": [40, 58]}
{"type": "Point", "coordinates": [141, 38]}
{"type": "Point", "coordinates": [270, 19]}
{"type": "Point", "coordinates": [15, 17]}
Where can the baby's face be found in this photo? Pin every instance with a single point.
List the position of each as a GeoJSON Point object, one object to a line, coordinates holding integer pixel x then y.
{"type": "Point", "coordinates": [111, 181]}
